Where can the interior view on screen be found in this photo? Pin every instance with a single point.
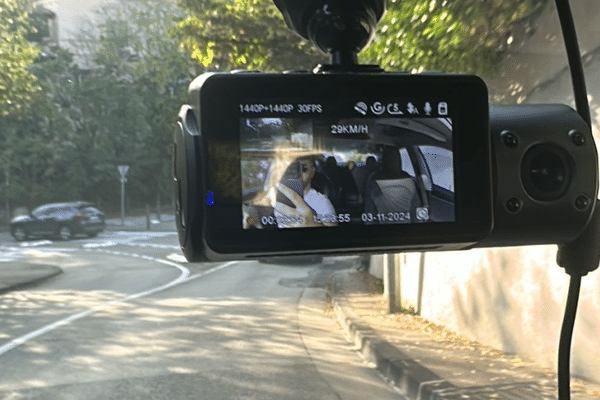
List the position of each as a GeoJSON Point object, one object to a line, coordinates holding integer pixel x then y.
{"type": "Point", "coordinates": [301, 172]}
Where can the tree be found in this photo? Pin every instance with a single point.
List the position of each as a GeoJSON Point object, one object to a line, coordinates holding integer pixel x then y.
{"type": "Point", "coordinates": [32, 143]}
{"type": "Point", "coordinates": [242, 34]}
{"type": "Point", "coordinates": [162, 73]}
{"type": "Point", "coordinates": [85, 122]}
{"type": "Point", "coordinates": [415, 35]}
{"type": "Point", "coordinates": [82, 121]}
{"type": "Point", "coordinates": [450, 36]}
{"type": "Point", "coordinates": [17, 85]}
{"type": "Point", "coordinates": [140, 77]}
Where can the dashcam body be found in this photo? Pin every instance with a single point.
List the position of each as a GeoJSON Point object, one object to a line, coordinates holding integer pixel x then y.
{"type": "Point", "coordinates": [545, 168]}
{"type": "Point", "coordinates": [302, 163]}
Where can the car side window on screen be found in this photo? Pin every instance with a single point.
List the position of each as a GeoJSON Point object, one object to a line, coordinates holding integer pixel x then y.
{"type": "Point", "coordinates": [440, 165]}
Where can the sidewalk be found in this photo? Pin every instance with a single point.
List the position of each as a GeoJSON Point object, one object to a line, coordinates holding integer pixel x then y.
{"type": "Point", "coordinates": [426, 361]}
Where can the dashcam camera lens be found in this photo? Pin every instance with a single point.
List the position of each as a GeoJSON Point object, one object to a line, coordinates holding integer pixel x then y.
{"type": "Point", "coordinates": [331, 21]}
{"type": "Point", "coordinates": [337, 28]}
{"type": "Point", "coordinates": [546, 171]}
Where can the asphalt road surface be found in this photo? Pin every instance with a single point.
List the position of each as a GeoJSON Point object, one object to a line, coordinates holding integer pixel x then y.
{"type": "Point", "coordinates": [129, 319]}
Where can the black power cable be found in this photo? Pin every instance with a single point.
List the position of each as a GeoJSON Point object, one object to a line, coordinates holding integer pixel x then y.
{"type": "Point", "coordinates": [574, 56]}
{"type": "Point", "coordinates": [580, 256]}
{"type": "Point", "coordinates": [566, 334]}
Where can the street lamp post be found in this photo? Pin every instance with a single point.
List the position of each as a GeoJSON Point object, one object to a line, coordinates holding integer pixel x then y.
{"type": "Point", "coordinates": [7, 181]}
{"type": "Point", "coordinates": [123, 171]}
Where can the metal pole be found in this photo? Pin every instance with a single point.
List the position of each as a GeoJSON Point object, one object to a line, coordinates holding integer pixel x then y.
{"type": "Point", "coordinates": [158, 210]}
{"type": "Point", "coordinates": [148, 222]}
{"type": "Point", "coordinates": [421, 279]}
{"type": "Point", "coordinates": [123, 172]}
{"type": "Point", "coordinates": [391, 283]}
{"type": "Point", "coordinates": [123, 201]}
{"type": "Point", "coordinates": [6, 175]}
{"type": "Point", "coordinates": [398, 262]}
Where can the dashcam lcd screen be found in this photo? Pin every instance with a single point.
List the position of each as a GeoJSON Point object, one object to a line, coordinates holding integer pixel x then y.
{"type": "Point", "coordinates": [324, 172]}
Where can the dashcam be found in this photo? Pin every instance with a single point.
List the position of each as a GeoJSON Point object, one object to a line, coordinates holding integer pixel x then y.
{"type": "Point", "coordinates": [291, 164]}
{"type": "Point", "coordinates": [332, 163]}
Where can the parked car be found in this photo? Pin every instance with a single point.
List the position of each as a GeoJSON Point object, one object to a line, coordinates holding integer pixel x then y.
{"type": "Point", "coordinates": [62, 220]}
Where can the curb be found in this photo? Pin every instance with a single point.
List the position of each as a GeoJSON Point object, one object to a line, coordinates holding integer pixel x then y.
{"type": "Point", "coordinates": [411, 378]}
{"type": "Point", "coordinates": [413, 373]}
{"type": "Point", "coordinates": [51, 271]}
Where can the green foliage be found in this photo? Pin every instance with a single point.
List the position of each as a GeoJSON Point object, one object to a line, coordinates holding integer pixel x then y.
{"type": "Point", "coordinates": [28, 154]}
{"type": "Point", "coordinates": [136, 97]}
{"type": "Point", "coordinates": [17, 85]}
{"type": "Point", "coordinates": [414, 35]}
{"type": "Point", "coordinates": [242, 34]}
{"type": "Point", "coordinates": [118, 110]}
{"type": "Point", "coordinates": [450, 36]}
{"type": "Point", "coordinates": [35, 144]}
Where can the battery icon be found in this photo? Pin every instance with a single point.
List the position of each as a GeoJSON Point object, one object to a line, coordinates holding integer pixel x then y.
{"type": "Point", "coordinates": [443, 108]}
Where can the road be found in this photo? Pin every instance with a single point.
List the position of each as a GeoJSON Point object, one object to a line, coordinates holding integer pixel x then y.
{"type": "Point", "coordinates": [128, 318]}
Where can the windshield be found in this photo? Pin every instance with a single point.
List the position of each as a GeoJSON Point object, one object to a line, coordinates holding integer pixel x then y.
{"type": "Point", "coordinates": [99, 301]}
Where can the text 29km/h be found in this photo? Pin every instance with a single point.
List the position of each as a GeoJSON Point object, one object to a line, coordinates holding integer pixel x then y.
{"type": "Point", "coordinates": [349, 129]}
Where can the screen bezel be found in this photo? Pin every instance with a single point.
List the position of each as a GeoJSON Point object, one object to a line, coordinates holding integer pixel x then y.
{"type": "Point", "coordinates": [217, 101]}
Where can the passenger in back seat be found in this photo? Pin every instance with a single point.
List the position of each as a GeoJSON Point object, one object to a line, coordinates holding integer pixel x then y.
{"type": "Point", "coordinates": [346, 197]}
{"type": "Point", "coordinates": [360, 175]}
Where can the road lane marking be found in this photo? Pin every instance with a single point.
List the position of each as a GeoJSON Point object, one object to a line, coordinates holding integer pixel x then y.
{"type": "Point", "coordinates": [37, 243]}
{"type": "Point", "coordinates": [147, 234]}
{"type": "Point", "coordinates": [184, 277]}
{"type": "Point", "coordinates": [210, 271]}
{"type": "Point", "coordinates": [108, 243]}
{"type": "Point", "coordinates": [128, 242]}
{"type": "Point", "coordinates": [177, 257]}
{"type": "Point", "coordinates": [155, 246]}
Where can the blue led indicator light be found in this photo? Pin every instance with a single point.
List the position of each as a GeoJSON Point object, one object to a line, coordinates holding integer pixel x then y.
{"type": "Point", "coordinates": [209, 199]}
